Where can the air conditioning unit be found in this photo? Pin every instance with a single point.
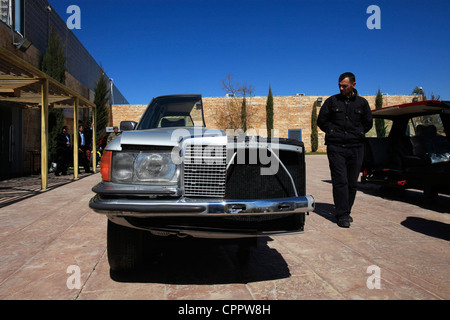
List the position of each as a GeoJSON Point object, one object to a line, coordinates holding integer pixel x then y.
{"type": "Point", "coordinates": [295, 134]}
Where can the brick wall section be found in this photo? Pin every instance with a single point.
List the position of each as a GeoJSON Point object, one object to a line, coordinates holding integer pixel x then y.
{"type": "Point", "coordinates": [290, 112]}
{"type": "Point", "coordinates": [130, 112]}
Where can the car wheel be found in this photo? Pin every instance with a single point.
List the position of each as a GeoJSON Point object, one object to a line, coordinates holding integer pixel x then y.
{"type": "Point", "coordinates": [431, 194]}
{"type": "Point", "coordinates": [125, 247]}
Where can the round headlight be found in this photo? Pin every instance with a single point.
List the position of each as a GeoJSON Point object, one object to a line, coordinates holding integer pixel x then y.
{"type": "Point", "coordinates": [156, 167]}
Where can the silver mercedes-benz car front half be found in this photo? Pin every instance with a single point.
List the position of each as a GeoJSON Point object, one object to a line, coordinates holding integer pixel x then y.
{"type": "Point", "coordinates": [170, 175]}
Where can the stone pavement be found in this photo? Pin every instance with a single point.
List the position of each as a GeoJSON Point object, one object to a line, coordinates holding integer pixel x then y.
{"type": "Point", "coordinates": [18, 189]}
{"type": "Point", "coordinates": [398, 245]}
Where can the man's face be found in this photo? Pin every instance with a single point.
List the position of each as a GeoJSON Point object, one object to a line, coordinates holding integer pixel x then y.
{"type": "Point", "coordinates": [346, 87]}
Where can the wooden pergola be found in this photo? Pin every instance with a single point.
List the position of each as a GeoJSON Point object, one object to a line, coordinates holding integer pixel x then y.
{"type": "Point", "coordinates": [26, 86]}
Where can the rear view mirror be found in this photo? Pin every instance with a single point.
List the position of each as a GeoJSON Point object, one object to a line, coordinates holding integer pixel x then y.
{"type": "Point", "coordinates": [127, 125]}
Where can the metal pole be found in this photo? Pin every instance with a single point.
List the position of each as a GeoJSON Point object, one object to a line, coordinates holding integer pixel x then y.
{"type": "Point", "coordinates": [44, 136]}
{"type": "Point", "coordinates": [75, 138]}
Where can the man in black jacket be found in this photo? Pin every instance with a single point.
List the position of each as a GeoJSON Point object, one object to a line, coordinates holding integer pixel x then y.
{"type": "Point", "coordinates": [63, 149]}
{"type": "Point", "coordinates": [83, 147]}
{"type": "Point", "coordinates": [345, 118]}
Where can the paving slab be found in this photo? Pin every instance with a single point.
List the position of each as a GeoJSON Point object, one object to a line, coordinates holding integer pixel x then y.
{"type": "Point", "coordinates": [397, 248]}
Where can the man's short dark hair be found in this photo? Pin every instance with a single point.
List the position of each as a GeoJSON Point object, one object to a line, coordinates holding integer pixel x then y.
{"type": "Point", "coordinates": [348, 75]}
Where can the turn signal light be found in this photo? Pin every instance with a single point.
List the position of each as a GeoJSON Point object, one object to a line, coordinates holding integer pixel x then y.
{"type": "Point", "coordinates": [105, 166]}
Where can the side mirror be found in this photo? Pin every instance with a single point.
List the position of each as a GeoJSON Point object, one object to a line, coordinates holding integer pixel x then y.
{"type": "Point", "coordinates": [127, 125]}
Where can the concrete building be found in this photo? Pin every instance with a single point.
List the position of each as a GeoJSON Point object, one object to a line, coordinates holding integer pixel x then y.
{"type": "Point", "coordinates": [24, 32]}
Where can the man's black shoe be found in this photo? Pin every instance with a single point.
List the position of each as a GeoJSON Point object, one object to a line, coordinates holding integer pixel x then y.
{"type": "Point", "coordinates": [343, 222]}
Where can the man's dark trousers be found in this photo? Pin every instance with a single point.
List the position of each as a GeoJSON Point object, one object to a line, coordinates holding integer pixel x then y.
{"type": "Point", "coordinates": [345, 166]}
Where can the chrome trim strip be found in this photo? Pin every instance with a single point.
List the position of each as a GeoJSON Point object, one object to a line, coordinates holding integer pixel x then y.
{"type": "Point", "coordinates": [285, 169]}
{"type": "Point", "coordinates": [195, 207]}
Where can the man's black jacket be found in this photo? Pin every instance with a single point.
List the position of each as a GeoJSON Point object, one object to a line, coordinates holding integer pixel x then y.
{"type": "Point", "coordinates": [345, 120]}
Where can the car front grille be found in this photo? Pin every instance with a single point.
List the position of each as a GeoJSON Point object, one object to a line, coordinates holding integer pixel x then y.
{"type": "Point", "coordinates": [204, 172]}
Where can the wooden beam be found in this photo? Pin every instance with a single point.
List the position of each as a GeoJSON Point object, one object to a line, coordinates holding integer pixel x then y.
{"type": "Point", "coordinates": [44, 134]}
{"type": "Point", "coordinates": [6, 76]}
{"type": "Point", "coordinates": [36, 73]}
{"type": "Point", "coordinates": [34, 99]}
{"type": "Point", "coordinates": [16, 83]}
{"type": "Point", "coordinates": [94, 140]}
{"type": "Point", "coordinates": [75, 138]}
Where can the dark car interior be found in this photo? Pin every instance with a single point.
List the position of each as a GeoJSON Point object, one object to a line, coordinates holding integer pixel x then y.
{"type": "Point", "coordinates": [412, 155]}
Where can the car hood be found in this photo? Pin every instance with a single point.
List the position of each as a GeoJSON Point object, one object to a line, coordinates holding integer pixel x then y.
{"type": "Point", "coordinates": [170, 137]}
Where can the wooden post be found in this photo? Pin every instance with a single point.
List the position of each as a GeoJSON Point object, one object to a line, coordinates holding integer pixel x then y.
{"type": "Point", "coordinates": [94, 142]}
{"type": "Point", "coordinates": [75, 138]}
{"type": "Point", "coordinates": [44, 134]}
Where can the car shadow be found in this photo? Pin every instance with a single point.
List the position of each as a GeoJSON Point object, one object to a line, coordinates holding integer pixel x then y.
{"type": "Point", "coordinates": [441, 203]}
{"type": "Point", "coordinates": [430, 228]}
{"type": "Point", "coordinates": [206, 262]}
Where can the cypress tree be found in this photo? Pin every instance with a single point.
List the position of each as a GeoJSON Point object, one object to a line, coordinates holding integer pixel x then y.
{"type": "Point", "coordinates": [269, 112]}
{"type": "Point", "coordinates": [101, 96]}
{"type": "Point", "coordinates": [314, 133]}
{"type": "Point", "coordinates": [54, 61]}
{"type": "Point", "coordinates": [244, 115]}
{"type": "Point", "coordinates": [54, 64]}
{"type": "Point", "coordinates": [379, 123]}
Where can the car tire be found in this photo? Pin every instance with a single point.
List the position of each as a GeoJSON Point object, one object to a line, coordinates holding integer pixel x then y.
{"type": "Point", "coordinates": [431, 194]}
{"type": "Point", "coordinates": [125, 247]}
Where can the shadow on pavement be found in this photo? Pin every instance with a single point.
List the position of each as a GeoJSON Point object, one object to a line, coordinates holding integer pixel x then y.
{"type": "Point", "coordinates": [208, 262]}
{"type": "Point", "coordinates": [325, 210]}
{"type": "Point", "coordinates": [430, 228]}
{"type": "Point", "coordinates": [440, 203]}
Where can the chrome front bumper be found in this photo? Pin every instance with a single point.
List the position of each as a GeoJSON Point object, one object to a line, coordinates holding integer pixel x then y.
{"type": "Point", "coordinates": [143, 208]}
{"type": "Point", "coordinates": [196, 207]}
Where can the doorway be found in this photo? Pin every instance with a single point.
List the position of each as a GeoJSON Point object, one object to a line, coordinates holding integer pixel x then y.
{"type": "Point", "coordinates": [11, 142]}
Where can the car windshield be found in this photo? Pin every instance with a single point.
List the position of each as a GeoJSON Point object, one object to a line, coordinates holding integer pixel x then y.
{"type": "Point", "coordinates": [173, 111]}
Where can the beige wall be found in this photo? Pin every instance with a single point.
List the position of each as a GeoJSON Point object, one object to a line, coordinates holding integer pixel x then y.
{"type": "Point", "coordinates": [290, 112]}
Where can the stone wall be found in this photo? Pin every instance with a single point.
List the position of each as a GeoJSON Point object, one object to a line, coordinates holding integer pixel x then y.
{"type": "Point", "coordinates": [122, 112]}
{"type": "Point", "coordinates": [290, 112]}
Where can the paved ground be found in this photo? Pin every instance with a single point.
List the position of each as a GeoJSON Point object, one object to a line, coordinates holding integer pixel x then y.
{"type": "Point", "coordinates": [46, 237]}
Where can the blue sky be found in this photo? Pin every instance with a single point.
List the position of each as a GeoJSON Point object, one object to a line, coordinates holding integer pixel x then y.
{"type": "Point", "coordinates": [157, 47]}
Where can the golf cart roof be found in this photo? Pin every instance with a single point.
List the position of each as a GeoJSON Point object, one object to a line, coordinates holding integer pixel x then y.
{"type": "Point", "coordinates": [412, 109]}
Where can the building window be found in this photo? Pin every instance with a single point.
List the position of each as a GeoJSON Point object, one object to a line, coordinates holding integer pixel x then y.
{"type": "Point", "coordinates": [12, 13]}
